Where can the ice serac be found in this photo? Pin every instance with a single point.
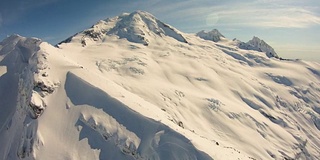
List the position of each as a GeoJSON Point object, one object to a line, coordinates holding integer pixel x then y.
{"type": "Point", "coordinates": [138, 27]}
{"type": "Point", "coordinates": [259, 45]}
{"type": "Point", "coordinates": [213, 35]}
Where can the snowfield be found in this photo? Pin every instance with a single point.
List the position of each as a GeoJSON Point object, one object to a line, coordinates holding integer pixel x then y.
{"type": "Point", "coordinates": [133, 87]}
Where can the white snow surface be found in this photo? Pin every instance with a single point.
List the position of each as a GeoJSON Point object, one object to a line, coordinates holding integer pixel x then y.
{"type": "Point", "coordinates": [169, 95]}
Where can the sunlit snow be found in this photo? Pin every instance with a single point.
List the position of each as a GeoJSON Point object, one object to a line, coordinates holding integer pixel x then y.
{"type": "Point", "coordinates": [133, 87]}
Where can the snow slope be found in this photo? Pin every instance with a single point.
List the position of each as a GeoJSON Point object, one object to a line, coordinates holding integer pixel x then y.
{"type": "Point", "coordinates": [132, 87]}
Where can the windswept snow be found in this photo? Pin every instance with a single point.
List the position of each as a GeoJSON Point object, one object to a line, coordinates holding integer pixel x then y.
{"type": "Point", "coordinates": [107, 93]}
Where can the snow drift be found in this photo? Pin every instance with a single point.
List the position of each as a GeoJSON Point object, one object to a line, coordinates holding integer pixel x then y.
{"type": "Point", "coordinates": [132, 87]}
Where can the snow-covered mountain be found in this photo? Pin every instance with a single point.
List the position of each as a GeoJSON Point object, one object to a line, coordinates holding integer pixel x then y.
{"type": "Point", "coordinates": [213, 35]}
{"type": "Point", "coordinates": [139, 26]}
{"type": "Point", "coordinates": [255, 44]}
{"type": "Point", "coordinates": [133, 87]}
{"type": "Point", "coordinates": [258, 45]}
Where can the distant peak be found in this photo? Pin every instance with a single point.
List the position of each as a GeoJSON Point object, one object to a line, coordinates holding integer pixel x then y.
{"type": "Point", "coordinates": [216, 31]}
{"type": "Point", "coordinates": [258, 44]}
{"type": "Point", "coordinates": [257, 39]}
{"type": "Point", "coordinates": [213, 35]}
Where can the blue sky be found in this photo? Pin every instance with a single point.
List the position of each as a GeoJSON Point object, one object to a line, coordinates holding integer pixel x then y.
{"type": "Point", "coordinates": [292, 27]}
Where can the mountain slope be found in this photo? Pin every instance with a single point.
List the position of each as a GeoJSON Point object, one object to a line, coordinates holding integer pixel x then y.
{"type": "Point", "coordinates": [113, 97]}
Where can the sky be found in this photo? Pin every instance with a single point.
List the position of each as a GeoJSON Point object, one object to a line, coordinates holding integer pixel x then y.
{"type": "Point", "coordinates": [291, 27]}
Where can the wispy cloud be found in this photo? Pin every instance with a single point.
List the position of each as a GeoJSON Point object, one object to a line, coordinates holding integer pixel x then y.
{"type": "Point", "coordinates": [270, 17]}
{"type": "Point", "coordinates": [260, 13]}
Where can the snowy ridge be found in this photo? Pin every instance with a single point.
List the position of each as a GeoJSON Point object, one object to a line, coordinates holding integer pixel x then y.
{"type": "Point", "coordinates": [23, 88]}
{"type": "Point", "coordinates": [116, 98]}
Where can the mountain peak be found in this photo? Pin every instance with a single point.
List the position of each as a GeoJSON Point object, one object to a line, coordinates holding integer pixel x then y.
{"type": "Point", "coordinates": [213, 35]}
{"type": "Point", "coordinates": [259, 45]}
{"type": "Point", "coordinates": [142, 13]}
{"type": "Point", "coordinates": [254, 38]}
{"type": "Point", "coordinates": [138, 27]}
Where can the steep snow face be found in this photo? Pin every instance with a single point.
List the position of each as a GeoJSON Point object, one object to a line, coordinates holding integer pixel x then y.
{"type": "Point", "coordinates": [258, 45]}
{"type": "Point", "coordinates": [123, 133]}
{"type": "Point", "coordinates": [21, 95]}
{"type": "Point", "coordinates": [19, 58]}
{"type": "Point", "coordinates": [113, 98]}
{"type": "Point", "coordinates": [213, 35]}
{"type": "Point", "coordinates": [140, 27]}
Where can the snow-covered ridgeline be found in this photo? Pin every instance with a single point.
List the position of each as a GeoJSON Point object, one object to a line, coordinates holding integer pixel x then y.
{"type": "Point", "coordinates": [23, 88]}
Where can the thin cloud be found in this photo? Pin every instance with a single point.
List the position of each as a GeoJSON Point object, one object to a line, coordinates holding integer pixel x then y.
{"type": "Point", "coordinates": [258, 14]}
{"type": "Point", "coordinates": [272, 18]}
